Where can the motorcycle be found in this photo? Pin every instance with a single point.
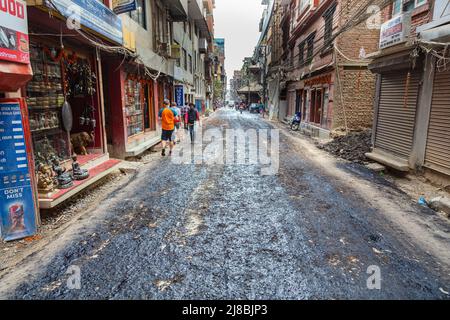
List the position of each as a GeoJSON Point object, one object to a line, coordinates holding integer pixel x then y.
{"type": "Point", "coordinates": [296, 122]}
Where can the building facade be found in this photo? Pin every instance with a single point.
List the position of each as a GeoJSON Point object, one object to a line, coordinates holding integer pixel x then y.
{"type": "Point", "coordinates": [93, 86]}
{"type": "Point", "coordinates": [325, 75]}
{"type": "Point", "coordinates": [412, 105]}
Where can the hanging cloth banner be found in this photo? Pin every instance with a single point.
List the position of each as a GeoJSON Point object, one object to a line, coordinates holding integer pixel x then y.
{"type": "Point", "coordinates": [18, 207]}
{"type": "Point", "coordinates": [122, 6]}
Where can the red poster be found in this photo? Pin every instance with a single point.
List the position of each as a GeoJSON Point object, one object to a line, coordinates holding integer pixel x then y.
{"type": "Point", "coordinates": [14, 42]}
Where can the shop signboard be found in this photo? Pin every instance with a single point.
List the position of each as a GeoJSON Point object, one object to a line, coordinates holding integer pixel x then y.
{"type": "Point", "coordinates": [93, 15]}
{"type": "Point", "coordinates": [14, 43]}
{"type": "Point", "coordinates": [122, 6]}
{"type": "Point", "coordinates": [395, 31]}
{"type": "Point", "coordinates": [179, 95]}
{"type": "Point", "coordinates": [17, 196]}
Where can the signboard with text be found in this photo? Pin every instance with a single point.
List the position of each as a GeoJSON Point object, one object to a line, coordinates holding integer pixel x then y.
{"type": "Point", "coordinates": [14, 42]}
{"type": "Point", "coordinates": [93, 15]}
{"type": "Point", "coordinates": [395, 31]}
{"type": "Point", "coordinates": [179, 95]}
{"type": "Point", "coordinates": [122, 6]}
{"type": "Point", "coordinates": [17, 198]}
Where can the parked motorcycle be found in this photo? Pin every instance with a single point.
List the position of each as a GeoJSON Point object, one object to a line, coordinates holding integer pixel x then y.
{"type": "Point", "coordinates": [296, 121]}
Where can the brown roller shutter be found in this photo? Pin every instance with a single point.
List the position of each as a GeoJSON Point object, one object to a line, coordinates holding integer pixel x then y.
{"type": "Point", "coordinates": [396, 119]}
{"type": "Point", "coordinates": [438, 144]}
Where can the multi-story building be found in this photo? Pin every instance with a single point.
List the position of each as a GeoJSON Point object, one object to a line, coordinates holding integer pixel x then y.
{"type": "Point", "coordinates": [412, 103]}
{"type": "Point", "coordinates": [194, 38]}
{"type": "Point", "coordinates": [324, 73]}
{"type": "Point", "coordinates": [235, 84]}
{"type": "Point", "coordinates": [220, 76]}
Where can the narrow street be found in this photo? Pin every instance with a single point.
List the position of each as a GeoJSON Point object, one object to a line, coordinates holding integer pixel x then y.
{"type": "Point", "coordinates": [226, 232]}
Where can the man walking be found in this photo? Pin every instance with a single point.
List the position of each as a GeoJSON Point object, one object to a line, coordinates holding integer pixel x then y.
{"type": "Point", "coordinates": [191, 118]}
{"type": "Point", "coordinates": [177, 133]}
{"type": "Point", "coordinates": [167, 117]}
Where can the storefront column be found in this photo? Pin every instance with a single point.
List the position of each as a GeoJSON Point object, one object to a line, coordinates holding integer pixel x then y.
{"type": "Point", "coordinates": [376, 108]}
{"type": "Point", "coordinates": [116, 98]}
{"type": "Point", "coordinates": [417, 158]}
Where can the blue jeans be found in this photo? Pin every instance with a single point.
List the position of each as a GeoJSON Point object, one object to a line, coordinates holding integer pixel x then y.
{"type": "Point", "coordinates": [192, 131]}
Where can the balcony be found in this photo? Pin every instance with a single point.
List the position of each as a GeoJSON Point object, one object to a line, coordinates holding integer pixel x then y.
{"type": "Point", "coordinates": [178, 9]}
{"type": "Point", "coordinates": [195, 11]}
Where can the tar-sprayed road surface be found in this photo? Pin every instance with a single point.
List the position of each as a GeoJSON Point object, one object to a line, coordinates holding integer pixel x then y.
{"type": "Point", "coordinates": [182, 231]}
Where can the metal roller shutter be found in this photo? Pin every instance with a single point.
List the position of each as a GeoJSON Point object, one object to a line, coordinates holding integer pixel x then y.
{"type": "Point", "coordinates": [396, 120]}
{"type": "Point", "coordinates": [438, 144]}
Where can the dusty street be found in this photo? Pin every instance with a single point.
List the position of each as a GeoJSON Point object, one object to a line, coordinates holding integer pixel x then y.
{"type": "Point", "coordinates": [227, 232]}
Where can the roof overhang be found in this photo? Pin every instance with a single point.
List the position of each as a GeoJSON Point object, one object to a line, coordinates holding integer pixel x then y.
{"type": "Point", "coordinates": [178, 9]}
{"type": "Point", "coordinates": [196, 13]}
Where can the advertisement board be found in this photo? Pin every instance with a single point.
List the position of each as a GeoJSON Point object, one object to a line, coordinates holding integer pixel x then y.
{"type": "Point", "coordinates": [14, 42]}
{"type": "Point", "coordinates": [179, 95]}
{"type": "Point", "coordinates": [17, 197]}
{"type": "Point", "coordinates": [122, 6]}
{"type": "Point", "coordinates": [93, 15]}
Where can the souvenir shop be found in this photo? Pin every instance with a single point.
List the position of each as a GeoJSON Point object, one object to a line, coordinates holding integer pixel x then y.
{"type": "Point", "coordinates": [131, 104]}
{"type": "Point", "coordinates": [65, 108]}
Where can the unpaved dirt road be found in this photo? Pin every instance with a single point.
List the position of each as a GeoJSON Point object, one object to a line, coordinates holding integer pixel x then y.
{"type": "Point", "coordinates": [227, 232]}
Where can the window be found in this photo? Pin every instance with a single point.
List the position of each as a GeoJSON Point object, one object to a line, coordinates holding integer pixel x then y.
{"type": "Point", "coordinates": [302, 5]}
{"type": "Point", "coordinates": [310, 44]}
{"type": "Point", "coordinates": [190, 63]}
{"type": "Point", "coordinates": [138, 15]}
{"type": "Point", "coordinates": [328, 17]}
{"type": "Point", "coordinates": [178, 61]}
{"type": "Point", "coordinates": [195, 61]}
{"type": "Point", "coordinates": [184, 57]}
{"type": "Point", "coordinates": [301, 54]}
{"type": "Point", "coordinates": [401, 6]}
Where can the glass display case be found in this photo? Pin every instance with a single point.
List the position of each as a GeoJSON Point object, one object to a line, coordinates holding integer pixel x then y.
{"type": "Point", "coordinates": [134, 107]}
{"type": "Point", "coordinates": [45, 98]}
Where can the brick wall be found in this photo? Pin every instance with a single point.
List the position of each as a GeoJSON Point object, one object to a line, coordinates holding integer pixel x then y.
{"type": "Point", "coordinates": [357, 83]}
{"type": "Point", "coordinates": [358, 93]}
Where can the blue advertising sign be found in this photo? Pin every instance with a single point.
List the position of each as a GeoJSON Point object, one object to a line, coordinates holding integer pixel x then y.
{"type": "Point", "coordinates": [17, 206]}
{"type": "Point", "coordinates": [179, 95]}
{"type": "Point", "coordinates": [122, 6]}
{"type": "Point", "coordinates": [93, 15]}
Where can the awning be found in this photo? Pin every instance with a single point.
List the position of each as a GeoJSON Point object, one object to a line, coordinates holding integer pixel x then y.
{"type": "Point", "coordinates": [14, 76]}
{"type": "Point", "coordinates": [441, 34]}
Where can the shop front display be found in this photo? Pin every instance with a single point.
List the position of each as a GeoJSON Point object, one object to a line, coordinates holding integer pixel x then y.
{"type": "Point", "coordinates": [63, 116]}
{"type": "Point", "coordinates": [134, 106]}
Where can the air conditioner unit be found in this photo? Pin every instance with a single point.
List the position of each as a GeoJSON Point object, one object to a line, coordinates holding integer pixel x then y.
{"type": "Point", "coordinates": [175, 51]}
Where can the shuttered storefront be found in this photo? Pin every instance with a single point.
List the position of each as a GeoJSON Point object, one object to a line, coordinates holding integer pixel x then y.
{"type": "Point", "coordinates": [438, 144]}
{"type": "Point", "coordinates": [397, 113]}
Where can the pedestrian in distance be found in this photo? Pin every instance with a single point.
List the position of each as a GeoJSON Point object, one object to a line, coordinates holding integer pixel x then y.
{"type": "Point", "coordinates": [262, 109]}
{"type": "Point", "coordinates": [167, 117]}
{"type": "Point", "coordinates": [177, 131]}
{"type": "Point", "coordinates": [192, 116]}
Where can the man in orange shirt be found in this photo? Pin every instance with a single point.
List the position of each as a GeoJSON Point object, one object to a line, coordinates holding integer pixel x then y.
{"type": "Point", "coordinates": [167, 117]}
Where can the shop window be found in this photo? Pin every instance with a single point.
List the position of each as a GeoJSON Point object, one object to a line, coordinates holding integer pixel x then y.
{"type": "Point", "coordinates": [134, 106]}
{"type": "Point", "coordinates": [45, 98]}
{"type": "Point", "coordinates": [139, 15]}
{"type": "Point", "coordinates": [60, 75]}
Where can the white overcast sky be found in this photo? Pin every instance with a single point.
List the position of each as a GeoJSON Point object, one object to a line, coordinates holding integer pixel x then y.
{"type": "Point", "coordinates": [238, 22]}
